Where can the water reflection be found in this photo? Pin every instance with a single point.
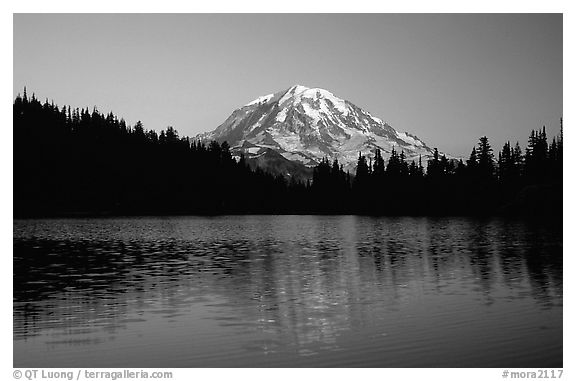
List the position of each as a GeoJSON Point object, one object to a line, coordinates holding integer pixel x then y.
{"type": "Point", "coordinates": [287, 291]}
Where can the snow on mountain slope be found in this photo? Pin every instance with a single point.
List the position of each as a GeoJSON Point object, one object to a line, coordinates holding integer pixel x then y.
{"type": "Point", "coordinates": [306, 125]}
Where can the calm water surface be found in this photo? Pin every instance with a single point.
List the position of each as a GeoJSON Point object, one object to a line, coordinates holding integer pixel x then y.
{"type": "Point", "coordinates": [283, 291]}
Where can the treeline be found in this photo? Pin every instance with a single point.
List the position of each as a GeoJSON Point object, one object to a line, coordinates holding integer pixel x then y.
{"type": "Point", "coordinates": [83, 162]}
{"type": "Point", "coordinates": [516, 182]}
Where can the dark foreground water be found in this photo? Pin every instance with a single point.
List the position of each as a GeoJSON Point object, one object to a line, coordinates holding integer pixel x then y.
{"type": "Point", "coordinates": [283, 291]}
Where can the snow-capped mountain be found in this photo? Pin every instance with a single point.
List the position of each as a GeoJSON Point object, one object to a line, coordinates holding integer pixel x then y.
{"type": "Point", "coordinates": [305, 125]}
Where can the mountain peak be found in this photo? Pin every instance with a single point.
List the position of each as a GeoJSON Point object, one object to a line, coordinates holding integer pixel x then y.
{"type": "Point", "coordinates": [298, 88]}
{"type": "Point", "coordinates": [296, 93]}
{"type": "Point", "coordinates": [309, 91]}
{"type": "Point", "coordinates": [306, 125]}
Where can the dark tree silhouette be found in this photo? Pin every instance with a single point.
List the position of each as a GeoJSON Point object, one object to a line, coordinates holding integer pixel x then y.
{"type": "Point", "coordinates": [71, 161]}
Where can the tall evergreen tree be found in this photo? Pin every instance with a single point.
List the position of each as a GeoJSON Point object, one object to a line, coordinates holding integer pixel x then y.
{"type": "Point", "coordinates": [486, 166]}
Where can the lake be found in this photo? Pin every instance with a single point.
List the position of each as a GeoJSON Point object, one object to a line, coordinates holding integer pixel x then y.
{"type": "Point", "coordinates": [287, 291]}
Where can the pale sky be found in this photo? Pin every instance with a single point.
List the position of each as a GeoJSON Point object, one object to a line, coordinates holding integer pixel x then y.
{"type": "Point", "coordinates": [448, 79]}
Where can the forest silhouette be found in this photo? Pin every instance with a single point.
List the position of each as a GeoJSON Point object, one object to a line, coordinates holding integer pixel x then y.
{"type": "Point", "coordinates": [77, 162]}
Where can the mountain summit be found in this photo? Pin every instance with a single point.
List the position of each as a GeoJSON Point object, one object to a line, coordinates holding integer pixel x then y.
{"type": "Point", "coordinates": [305, 125]}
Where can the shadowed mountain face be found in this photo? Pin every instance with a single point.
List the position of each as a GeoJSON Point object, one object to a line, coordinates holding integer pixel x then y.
{"type": "Point", "coordinates": [305, 125]}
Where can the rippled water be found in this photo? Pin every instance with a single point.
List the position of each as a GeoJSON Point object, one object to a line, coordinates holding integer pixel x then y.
{"type": "Point", "coordinates": [284, 291]}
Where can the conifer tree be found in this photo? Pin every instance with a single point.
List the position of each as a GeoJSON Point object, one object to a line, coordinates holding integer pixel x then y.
{"type": "Point", "coordinates": [486, 166]}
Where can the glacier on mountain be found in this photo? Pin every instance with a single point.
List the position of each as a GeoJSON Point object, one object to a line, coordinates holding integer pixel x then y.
{"type": "Point", "coordinates": [305, 125]}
